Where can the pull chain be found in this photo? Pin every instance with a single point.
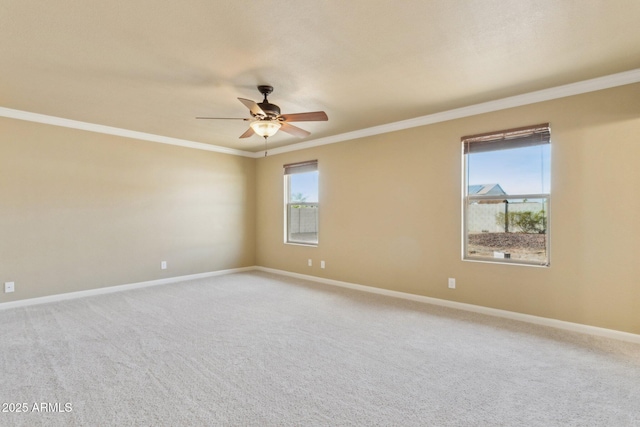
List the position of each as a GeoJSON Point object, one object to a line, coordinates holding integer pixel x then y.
{"type": "Point", "coordinates": [265, 145]}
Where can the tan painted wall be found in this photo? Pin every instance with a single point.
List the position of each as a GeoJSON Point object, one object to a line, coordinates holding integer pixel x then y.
{"type": "Point", "coordinates": [80, 210]}
{"type": "Point", "coordinates": [409, 243]}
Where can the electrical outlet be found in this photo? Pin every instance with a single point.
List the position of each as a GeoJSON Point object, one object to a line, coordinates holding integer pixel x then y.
{"type": "Point", "coordinates": [309, 262]}
{"type": "Point", "coordinates": [163, 265]}
{"type": "Point", "coordinates": [9, 287]}
{"type": "Point", "coordinates": [452, 283]}
{"type": "Point", "coordinates": [321, 264]}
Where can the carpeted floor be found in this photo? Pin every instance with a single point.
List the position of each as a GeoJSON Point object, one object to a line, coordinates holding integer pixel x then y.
{"type": "Point", "coordinates": [256, 349]}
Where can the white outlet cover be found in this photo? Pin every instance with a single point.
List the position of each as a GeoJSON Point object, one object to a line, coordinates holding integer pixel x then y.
{"type": "Point", "coordinates": [452, 283]}
{"type": "Point", "coordinates": [321, 264]}
{"type": "Point", "coordinates": [163, 265]}
{"type": "Point", "coordinates": [309, 262]}
{"type": "Point", "coordinates": [9, 287]}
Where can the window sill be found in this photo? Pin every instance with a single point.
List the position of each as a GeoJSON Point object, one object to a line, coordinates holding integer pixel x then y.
{"type": "Point", "coordinates": [505, 262]}
{"type": "Point", "coordinates": [313, 245]}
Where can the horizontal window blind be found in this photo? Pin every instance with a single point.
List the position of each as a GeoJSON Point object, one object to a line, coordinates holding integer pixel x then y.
{"type": "Point", "coordinates": [527, 136]}
{"type": "Point", "coordinates": [302, 167]}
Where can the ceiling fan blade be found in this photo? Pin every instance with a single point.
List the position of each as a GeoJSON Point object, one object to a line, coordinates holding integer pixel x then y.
{"type": "Point", "coordinates": [223, 118]}
{"type": "Point", "coordinates": [249, 132]}
{"type": "Point", "coordinates": [294, 130]}
{"type": "Point", "coordinates": [253, 107]}
{"type": "Point", "coordinates": [316, 116]}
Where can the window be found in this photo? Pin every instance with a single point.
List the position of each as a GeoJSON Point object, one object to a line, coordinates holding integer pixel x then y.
{"type": "Point", "coordinates": [507, 196]}
{"type": "Point", "coordinates": [301, 196]}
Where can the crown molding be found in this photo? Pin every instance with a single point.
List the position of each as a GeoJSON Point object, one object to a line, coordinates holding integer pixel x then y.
{"type": "Point", "coordinates": [109, 130]}
{"type": "Point", "coordinates": [586, 86]}
{"type": "Point", "coordinates": [578, 88]}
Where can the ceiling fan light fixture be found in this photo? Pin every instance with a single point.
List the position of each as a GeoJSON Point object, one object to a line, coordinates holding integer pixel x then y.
{"type": "Point", "coordinates": [265, 128]}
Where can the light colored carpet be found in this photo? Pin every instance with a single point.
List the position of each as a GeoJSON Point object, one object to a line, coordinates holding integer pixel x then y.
{"type": "Point", "coordinates": [256, 349]}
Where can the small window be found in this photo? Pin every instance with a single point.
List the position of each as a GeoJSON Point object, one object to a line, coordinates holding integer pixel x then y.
{"type": "Point", "coordinates": [301, 197]}
{"type": "Point", "coordinates": [507, 196]}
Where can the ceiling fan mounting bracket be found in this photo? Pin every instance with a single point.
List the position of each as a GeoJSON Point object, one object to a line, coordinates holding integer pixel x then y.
{"type": "Point", "coordinates": [265, 90]}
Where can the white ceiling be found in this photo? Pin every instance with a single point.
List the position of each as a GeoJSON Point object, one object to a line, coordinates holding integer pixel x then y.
{"type": "Point", "coordinates": [153, 66]}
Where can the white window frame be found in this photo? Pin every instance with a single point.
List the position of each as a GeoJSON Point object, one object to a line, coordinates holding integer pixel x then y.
{"type": "Point", "coordinates": [291, 169]}
{"type": "Point", "coordinates": [519, 137]}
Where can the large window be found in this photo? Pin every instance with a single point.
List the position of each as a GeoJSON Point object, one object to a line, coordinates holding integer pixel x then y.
{"type": "Point", "coordinates": [507, 196]}
{"type": "Point", "coordinates": [301, 197]}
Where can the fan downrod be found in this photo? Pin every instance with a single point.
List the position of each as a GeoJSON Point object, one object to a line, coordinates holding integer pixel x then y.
{"type": "Point", "coordinates": [265, 90]}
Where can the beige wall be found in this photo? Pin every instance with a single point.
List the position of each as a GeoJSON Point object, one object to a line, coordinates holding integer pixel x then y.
{"type": "Point", "coordinates": [80, 210]}
{"type": "Point", "coordinates": [410, 183]}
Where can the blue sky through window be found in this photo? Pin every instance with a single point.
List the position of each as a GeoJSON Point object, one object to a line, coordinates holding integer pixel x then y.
{"type": "Point", "coordinates": [305, 183]}
{"type": "Point", "coordinates": [518, 171]}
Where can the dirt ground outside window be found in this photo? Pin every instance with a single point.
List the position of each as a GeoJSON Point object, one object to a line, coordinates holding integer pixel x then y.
{"type": "Point", "coordinates": [519, 246]}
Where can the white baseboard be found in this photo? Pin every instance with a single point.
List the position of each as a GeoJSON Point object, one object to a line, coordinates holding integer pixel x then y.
{"type": "Point", "coordinates": [554, 323]}
{"type": "Point", "coordinates": [117, 288]}
{"type": "Point", "coordinates": [544, 321]}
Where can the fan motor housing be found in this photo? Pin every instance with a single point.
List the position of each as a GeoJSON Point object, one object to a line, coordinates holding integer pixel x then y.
{"type": "Point", "coordinates": [271, 110]}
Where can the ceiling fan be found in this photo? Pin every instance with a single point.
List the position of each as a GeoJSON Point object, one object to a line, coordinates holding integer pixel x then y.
{"type": "Point", "coordinates": [266, 119]}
